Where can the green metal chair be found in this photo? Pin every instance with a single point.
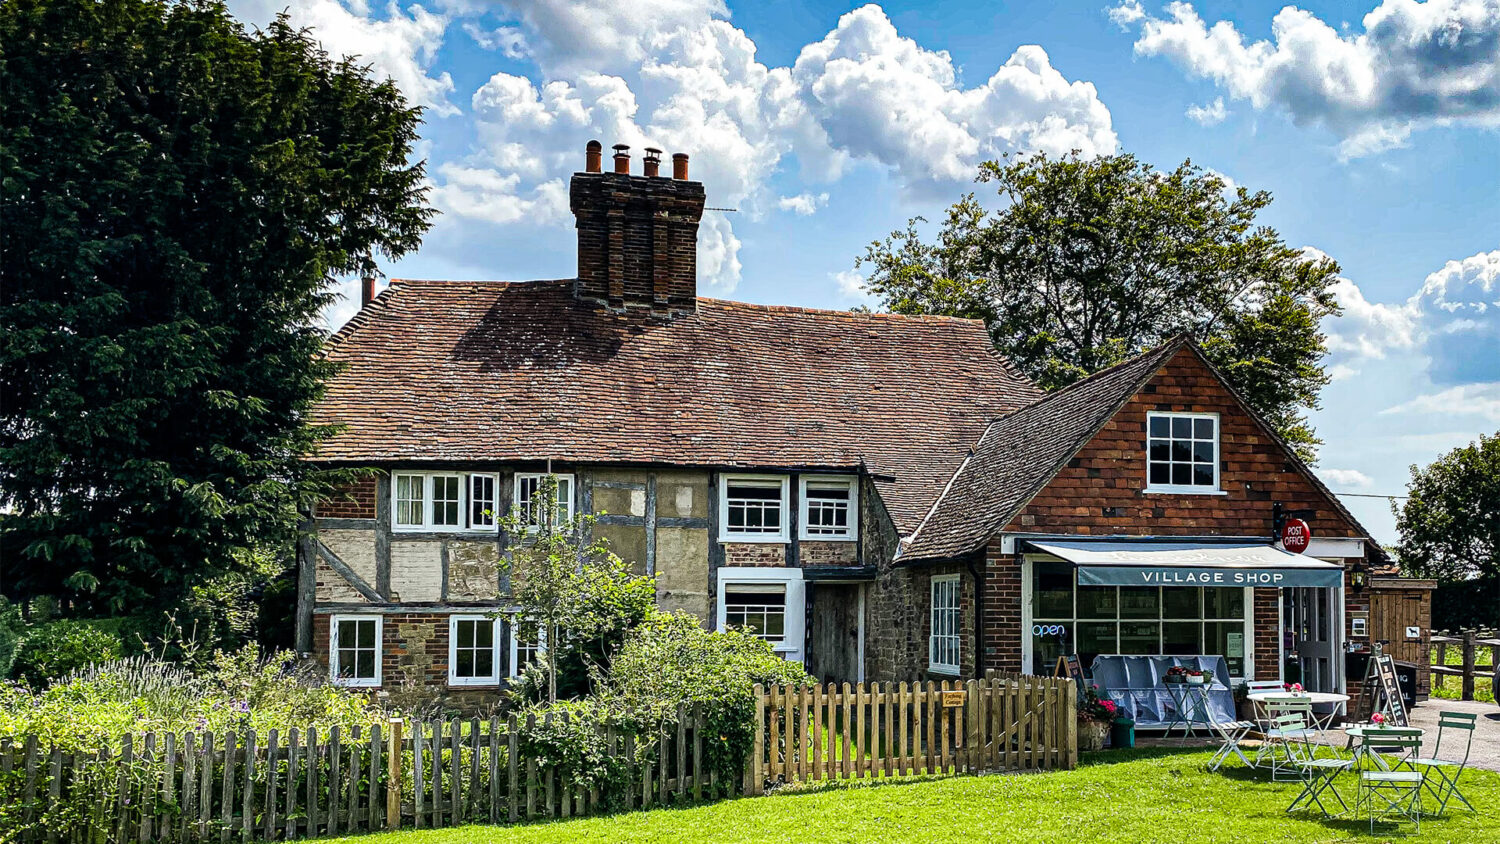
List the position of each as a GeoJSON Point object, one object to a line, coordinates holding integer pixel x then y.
{"type": "Point", "coordinates": [1448, 770]}
{"type": "Point", "coordinates": [1286, 729]}
{"type": "Point", "coordinates": [1317, 775]}
{"type": "Point", "coordinates": [1385, 793]}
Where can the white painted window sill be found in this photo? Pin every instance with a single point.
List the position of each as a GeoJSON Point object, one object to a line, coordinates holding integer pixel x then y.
{"type": "Point", "coordinates": [1187, 490]}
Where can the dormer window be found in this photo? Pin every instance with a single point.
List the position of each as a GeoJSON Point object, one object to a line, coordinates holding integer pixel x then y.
{"type": "Point", "coordinates": [753, 508]}
{"type": "Point", "coordinates": [1182, 453]}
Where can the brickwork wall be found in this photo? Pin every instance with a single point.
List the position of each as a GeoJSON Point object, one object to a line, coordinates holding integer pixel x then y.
{"type": "Point", "coordinates": [353, 501]}
{"type": "Point", "coordinates": [414, 650]}
{"type": "Point", "coordinates": [754, 554]}
{"type": "Point", "coordinates": [824, 553]}
{"type": "Point", "coordinates": [1267, 604]}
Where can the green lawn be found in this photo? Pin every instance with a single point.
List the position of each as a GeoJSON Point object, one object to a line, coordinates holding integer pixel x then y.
{"type": "Point", "coordinates": [1453, 686]}
{"type": "Point", "coordinates": [1143, 795]}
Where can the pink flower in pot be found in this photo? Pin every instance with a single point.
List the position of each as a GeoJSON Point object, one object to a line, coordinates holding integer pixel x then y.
{"type": "Point", "coordinates": [1377, 718]}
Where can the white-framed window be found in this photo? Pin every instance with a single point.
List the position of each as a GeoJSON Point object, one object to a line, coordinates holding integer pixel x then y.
{"type": "Point", "coordinates": [528, 484]}
{"type": "Point", "coordinates": [527, 644]}
{"type": "Point", "coordinates": [354, 649]}
{"type": "Point", "coordinates": [944, 639]}
{"type": "Point", "coordinates": [1182, 452]}
{"type": "Point", "coordinates": [753, 508]}
{"type": "Point", "coordinates": [770, 602]}
{"type": "Point", "coordinates": [444, 501]}
{"type": "Point", "coordinates": [758, 609]}
{"type": "Point", "coordinates": [473, 650]}
{"type": "Point", "coordinates": [830, 508]}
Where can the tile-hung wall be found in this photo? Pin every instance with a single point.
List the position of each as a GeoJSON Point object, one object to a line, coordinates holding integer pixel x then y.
{"type": "Point", "coordinates": [369, 558]}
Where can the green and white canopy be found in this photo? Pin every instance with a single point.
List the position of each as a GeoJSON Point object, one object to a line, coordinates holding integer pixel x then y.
{"type": "Point", "coordinates": [1145, 563]}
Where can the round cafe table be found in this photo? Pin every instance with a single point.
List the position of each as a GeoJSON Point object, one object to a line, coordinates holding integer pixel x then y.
{"type": "Point", "coordinates": [1315, 698]}
{"type": "Point", "coordinates": [1366, 737]}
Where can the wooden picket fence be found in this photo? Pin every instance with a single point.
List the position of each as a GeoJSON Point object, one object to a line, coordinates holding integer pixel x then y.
{"type": "Point", "coordinates": [829, 732]}
{"type": "Point", "coordinates": [202, 786]}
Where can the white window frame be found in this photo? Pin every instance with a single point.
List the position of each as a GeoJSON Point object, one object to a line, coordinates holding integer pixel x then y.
{"type": "Point", "coordinates": [728, 535]}
{"type": "Point", "coordinates": [933, 664]}
{"type": "Point", "coordinates": [491, 679]}
{"type": "Point", "coordinates": [1181, 489]}
{"type": "Point", "coordinates": [470, 501]}
{"type": "Point", "coordinates": [565, 502]}
{"type": "Point", "coordinates": [803, 526]}
{"type": "Point", "coordinates": [465, 491]}
{"type": "Point", "coordinates": [333, 650]}
{"type": "Point", "coordinates": [793, 641]}
{"type": "Point", "coordinates": [514, 669]}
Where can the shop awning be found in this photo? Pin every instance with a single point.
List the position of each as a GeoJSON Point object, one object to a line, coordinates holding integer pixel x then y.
{"type": "Point", "coordinates": [1126, 563]}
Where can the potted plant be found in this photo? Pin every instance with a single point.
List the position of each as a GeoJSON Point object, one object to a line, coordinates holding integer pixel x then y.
{"type": "Point", "coordinates": [1243, 708]}
{"type": "Point", "coordinates": [1195, 678]}
{"type": "Point", "coordinates": [1094, 717]}
{"type": "Point", "coordinates": [1208, 677]}
{"type": "Point", "coordinates": [1175, 674]}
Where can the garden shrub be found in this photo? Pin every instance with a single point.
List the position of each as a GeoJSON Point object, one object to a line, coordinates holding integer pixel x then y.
{"type": "Point", "coordinates": [12, 631]}
{"type": "Point", "coordinates": [57, 648]}
{"type": "Point", "coordinates": [573, 744]}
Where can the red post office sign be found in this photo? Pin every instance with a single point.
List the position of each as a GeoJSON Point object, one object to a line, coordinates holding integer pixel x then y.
{"type": "Point", "coordinates": [1295, 535]}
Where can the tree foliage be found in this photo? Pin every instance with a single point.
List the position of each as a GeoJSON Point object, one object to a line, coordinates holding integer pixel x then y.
{"type": "Point", "coordinates": [580, 595]}
{"type": "Point", "coordinates": [1450, 524]}
{"type": "Point", "coordinates": [179, 197]}
{"type": "Point", "coordinates": [1093, 260]}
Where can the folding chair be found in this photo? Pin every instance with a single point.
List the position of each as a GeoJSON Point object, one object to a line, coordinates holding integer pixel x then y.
{"type": "Point", "coordinates": [1288, 724]}
{"type": "Point", "coordinates": [1318, 776]}
{"type": "Point", "coordinates": [1232, 732]}
{"type": "Point", "coordinates": [1447, 770]}
{"type": "Point", "coordinates": [1386, 793]}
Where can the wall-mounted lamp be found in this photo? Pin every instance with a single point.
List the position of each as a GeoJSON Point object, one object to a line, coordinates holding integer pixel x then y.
{"type": "Point", "coordinates": [1357, 577]}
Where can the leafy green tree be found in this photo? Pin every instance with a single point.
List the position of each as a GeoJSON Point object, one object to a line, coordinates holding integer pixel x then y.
{"type": "Point", "coordinates": [1450, 524]}
{"type": "Point", "coordinates": [1093, 260]}
{"type": "Point", "coordinates": [578, 594]}
{"type": "Point", "coordinates": [179, 196]}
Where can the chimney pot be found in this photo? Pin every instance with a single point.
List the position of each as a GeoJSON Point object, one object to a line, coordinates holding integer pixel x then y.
{"type": "Point", "coordinates": [366, 290]}
{"type": "Point", "coordinates": [593, 157]}
{"type": "Point", "coordinates": [653, 162]}
{"type": "Point", "coordinates": [679, 166]}
{"type": "Point", "coordinates": [622, 158]}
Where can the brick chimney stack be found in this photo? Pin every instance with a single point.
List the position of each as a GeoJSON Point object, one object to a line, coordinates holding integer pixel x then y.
{"type": "Point", "coordinates": [637, 235]}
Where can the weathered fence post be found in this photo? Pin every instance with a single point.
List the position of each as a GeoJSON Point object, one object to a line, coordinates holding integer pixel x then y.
{"type": "Point", "coordinates": [393, 772]}
{"type": "Point", "coordinates": [1468, 654]}
{"type": "Point", "coordinates": [1442, 659]}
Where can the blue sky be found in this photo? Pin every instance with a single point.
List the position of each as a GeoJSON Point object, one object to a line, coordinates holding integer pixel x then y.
{"type": "Point", "coordinates": [1375, 124]}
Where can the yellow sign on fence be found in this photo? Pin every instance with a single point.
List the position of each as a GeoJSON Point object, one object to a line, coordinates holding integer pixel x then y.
{"type": "Point", "coordinates": [953, 698]}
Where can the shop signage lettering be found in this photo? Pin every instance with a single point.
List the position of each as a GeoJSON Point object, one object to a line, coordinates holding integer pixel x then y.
{"type": "Point", "coordinates": [1048, 630]}
{"type": "Point", "coordinates": [1160, 577]}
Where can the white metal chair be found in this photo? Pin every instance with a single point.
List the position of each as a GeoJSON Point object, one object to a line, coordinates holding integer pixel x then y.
{"type": "Point", "coordinates": [1232, 733]}
{"type": "Point", "coordinates": [1447, 770]}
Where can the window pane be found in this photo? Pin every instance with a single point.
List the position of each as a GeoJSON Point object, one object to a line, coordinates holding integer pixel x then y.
{"type": "Point", "coordinates": [484, 634]}
{"type": "Point", "coordinates": [1098, 602]}
{"type": "Point", "coordinates": [1182, 474]}
{"type": "Point", "coordinates": [1180, 602]}
{"type": "Point", "coordinates": [1227, 639]}
{"type": "Point", "coordinates": [465, 665]}
{"type": "Point", "coordinates": [1045, 649]}
{"type": "Point", "coordinates": [1223, 602]}
{"type": "Point", "coordinates": [366, 629]}
{"type": "Point", "coordinates": [1161, 473]}
{"type": "Point", "coordinates": [1140, 637]}
{"type": "Point", "coordinates": [1203, 429]}
{"type": "Point", "coordinates": [1095, 638]}
{"type": "Point", "coordinates": [1139, 602]}
{"type": "Point", "coordinates": [481, 501]}
{"type": "Point", "coordinates": [445, 497]}
{"type": "Point", "coordinates": [1181, 638]}
{"type": "Point", "coordinates": [1182, 428]}
{"type": "Point", "coordinates": [364, 665]}
{"type": "Point", "coordinates": [1203, 452]}
{"type": "Point", "coordinates": [463, 633]}
{"type": "Point", "coordinates": [1161, 426]}
{"type": "Point", "coordinates": [1052, 591]}
{"type": "Point", "coordinates": [484, 663]}
{"type": "Point", "coordinates": [409, 500]}
{"type": "Point", "coordinates": [1203, 475]}
{"type": "Point", "coordinates": [1161, 450]}
{"type": "Point", "coordinates": [1182, 450]}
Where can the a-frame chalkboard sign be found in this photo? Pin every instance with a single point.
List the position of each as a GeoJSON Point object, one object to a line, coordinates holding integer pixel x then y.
{"type": "Point", "coordinates": [1069, 666]}
{"type": "Point", "coordinates": [1382, 690]}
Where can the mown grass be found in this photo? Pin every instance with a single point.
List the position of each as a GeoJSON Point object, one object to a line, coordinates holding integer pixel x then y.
{"type": "Point", "coordinates": [1141, 795]}
{"type": "Point", "coordinates": [1452, 688]}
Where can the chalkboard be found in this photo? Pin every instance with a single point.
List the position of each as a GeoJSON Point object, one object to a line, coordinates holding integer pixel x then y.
{"type": "Point", "coordinates": [1383, 690]}
{"type": "Point", "coordinates": [1069, 666]}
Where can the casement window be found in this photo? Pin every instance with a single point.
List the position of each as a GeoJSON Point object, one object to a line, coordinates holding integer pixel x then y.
{"type": "Point", "coordinates": [473, 650]}
{"type": "Point", "coordinates": [830, 508]}
{"type": "Point", "coordinates": [527, 644]}
{"type": "Point", "coordinates": [944, 639]}
{"type": "Point", "coordinates": [444, 501]}
{"type": "Point", "coordinates": [528, 499]}
{"type": "Point", "coordinates": [758, 609]}
{"type": "Point", "coordinates": [1182, 452]}
{"type": "Point", "coordinates": [753, 508]}
{"type": "Point", "coordinates": [767, 602]}
{"type": "Point", "coordinates": [355, 649]}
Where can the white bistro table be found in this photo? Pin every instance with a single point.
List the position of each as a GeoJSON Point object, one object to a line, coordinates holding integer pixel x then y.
{"type": "Point", "coordinates": [1315, 698]}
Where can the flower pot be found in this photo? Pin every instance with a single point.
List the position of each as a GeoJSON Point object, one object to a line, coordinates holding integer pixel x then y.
{"type": "Point", "coordinates": [1091, 734]}
{"type": "Point", "coordinates": [1195, 680]}
{"type": "Point", "coordinates": [1122, 733]}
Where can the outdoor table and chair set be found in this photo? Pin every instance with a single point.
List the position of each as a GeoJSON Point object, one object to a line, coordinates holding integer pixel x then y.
{"type": "Point", "coordinates": [1389, 770]}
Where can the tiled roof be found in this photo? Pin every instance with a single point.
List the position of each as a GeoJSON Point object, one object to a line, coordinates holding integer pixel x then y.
{"type": "Point", "coordinates": [455, 372]}
{"type": "Point", "coordinates": [1020, 453]}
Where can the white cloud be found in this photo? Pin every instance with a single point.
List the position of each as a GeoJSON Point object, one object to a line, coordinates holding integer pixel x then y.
{"type": "Point", "coordinates": [851, 287]}
{"type": "Point", "coordinates": [1347, 478]}
{"type": "Point", "coordinates": [1414, 65]}
{"type": "Point", "coordinates": [509, 41]}
{"type": "Point", "coordinates": [1481, 400]}
{"type": "Point", "coordinates": [1211, 114]}
{"type": "Point", "coordinates": [1452, 321]}
{"type": "Point", "coordinates": [402, 45]}
{"type": "Point", "coordinates": [677, 75]}
{"type": "Point", "coordinates": [803, 204]}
